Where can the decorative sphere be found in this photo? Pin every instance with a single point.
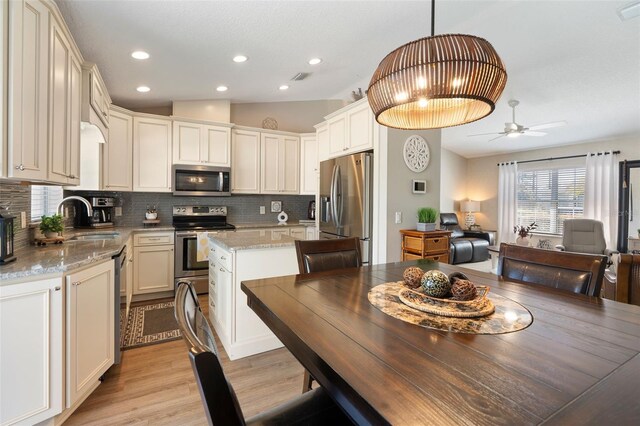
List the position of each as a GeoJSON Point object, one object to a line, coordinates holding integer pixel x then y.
{"type": "Point", "coordinates": [435, 283]}
{"type": "Point", "coordinates": [412, 276]}
{"type": "Point", "coordinates": [463, 290]}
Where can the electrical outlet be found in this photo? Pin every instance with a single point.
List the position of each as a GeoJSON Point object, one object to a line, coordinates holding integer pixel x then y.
{"type": "Point", "coordinates": [262, 210]}
{"type": "Point", "coordinates": [118, 211]}
{"type": "Point", "coordinates": [276, 206]}
{"type": "Point", "coordinates": [23, 220]}
{"type": "Point", "coordinates": [398, 217]}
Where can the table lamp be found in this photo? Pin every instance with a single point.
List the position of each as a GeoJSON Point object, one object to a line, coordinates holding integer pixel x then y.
{"type": "Point", "coordinates": [469, 207]}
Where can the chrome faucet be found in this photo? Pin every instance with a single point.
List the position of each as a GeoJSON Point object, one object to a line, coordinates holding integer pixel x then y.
{"type": "Point", "coordinates": [75, 197]}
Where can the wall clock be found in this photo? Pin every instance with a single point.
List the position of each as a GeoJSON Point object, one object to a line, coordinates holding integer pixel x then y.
{"type": "Point", "coordinates": [416, 153]}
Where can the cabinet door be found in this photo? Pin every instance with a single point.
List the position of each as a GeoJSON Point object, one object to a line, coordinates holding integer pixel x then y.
{"type": "Point", "coordinates": [28, 83]}
{"type": "Point", "coordinates": [90, 328]}
{"type": "Point", "coordinates": [289, 170]}
{"type": "Point", "coordinates": [360, 125]}
{"type": "Point", "coordinates": [75, 110]}
{"type": "Point", "coordinates": [310, 233]}
{"type": "Point", "coordinates": [99, 100]}
{"type": "Point", "coordinates": [322, 138]}
{"type": "Point", "coordinates": [298, 233]}
{"type": "Point", "coordinates": [59, 105]}
{"type": "Point", "coordinates": [337, 129]}
{"type": "Point", "coordinates": [152, 269]}
{"type": "Point", "coordinates": [270, 163]}
{"type": "Point", "coordinates": [31, 353]}
{"type": "Point", "coordinates": [151, 155]}
{"type": "Point", "coordinates": [245, 159]}
{"type": "Point", "coordinates": [224, 298]}
{"type": "Point", "coordinates": [276, 234]}
{"type": "Point", "coordinates": [117, 161]}
{"type": "Point", "coordinates": [216, 147]}
{"type": "Point", "coordinates": [187, 143]}
{"type": "Point", "coordinates": [308, 165]}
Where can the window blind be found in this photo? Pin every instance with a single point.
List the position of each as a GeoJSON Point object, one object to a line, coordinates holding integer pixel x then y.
{"type": "Point", "coordinates": [44, 200]}
{"type": "Point", "coordinates": [550, 196]}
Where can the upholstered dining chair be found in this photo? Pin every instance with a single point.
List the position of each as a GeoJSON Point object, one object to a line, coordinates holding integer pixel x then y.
{"type": "Point", "coordinates": [219, 399]}
{"type": "Point", "coordinates": [625, 281]}
{"type": "Point", "coordinates": [575, 272]}
{"type": "Point", "coordinates": [326, 255]}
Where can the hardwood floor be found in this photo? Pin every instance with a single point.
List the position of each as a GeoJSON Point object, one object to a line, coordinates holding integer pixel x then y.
{"type": "Point", "coordinates": [154, 385]}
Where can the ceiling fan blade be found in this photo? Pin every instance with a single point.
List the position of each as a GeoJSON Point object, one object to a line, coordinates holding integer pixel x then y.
{"type": "Point", "coordinates": [548, 125]}
{"type": "Point", "coordinates": [530, 133]}
{"type": "Point", "coordinates": [491, 140]}
{"type": "Point", "coordinates": [486, 134]}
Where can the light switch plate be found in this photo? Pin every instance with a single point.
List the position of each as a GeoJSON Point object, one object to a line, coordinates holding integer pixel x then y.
{"type": "Point", "coordinates": [262, 209]}
{"type": "Point", "coordinates": [398, 217]}
{"type": "Point", "coordinates": [23, 220]}
{"type": "Point", "coordinates": [276, 206]}
{"type": "Point", "coordinates": [118, 211]}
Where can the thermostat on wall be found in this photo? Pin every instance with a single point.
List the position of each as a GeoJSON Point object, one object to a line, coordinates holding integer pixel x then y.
{"type": "Point", "coordinates": [419, 186]}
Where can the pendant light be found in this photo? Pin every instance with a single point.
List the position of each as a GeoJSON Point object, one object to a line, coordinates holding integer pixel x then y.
{"type": "Point", "coordinates": [438, 81]}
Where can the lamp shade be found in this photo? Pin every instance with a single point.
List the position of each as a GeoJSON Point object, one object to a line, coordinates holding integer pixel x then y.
{"type": "Point", "coordinates": [470, 206]}
{"type": "Point", "coordinates": [438, 81]}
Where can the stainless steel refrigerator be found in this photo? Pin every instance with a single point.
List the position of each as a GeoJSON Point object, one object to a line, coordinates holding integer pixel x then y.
{"type": "Point", "coordinates": [346, 200]}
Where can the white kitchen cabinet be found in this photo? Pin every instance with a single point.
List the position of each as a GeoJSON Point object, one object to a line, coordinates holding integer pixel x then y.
{"type": "Point", "coordinates": [153, 262]}
{"type": "Point", "coordinates": [90, 329]}
{"type": "Point", "coordinates": [98, 96]}
{"type": "Point", "coordinates": [350, 130]}
{"type": "Point", "coordinates": [151, 154]}
{"type": "Point", "coordinates": [245, 160]}
{"type": "Point", "coordinates": [28, 89]}
{"type": "Point", "coordinates": [279, 164]}
{"type": "Point", "coordinates": [31, 351]}
{"type": "Point", "coordinates": [117, 158]}
{"type": "Point", "coordinates": [337, 134]}
{"type": "Point", "coordinates": [298, 232]}
{"type": "Point", "coordinates": [322, 140]}
{"type": "Point", "coordinates": [195, 143]}
{"type": "Point", "coordinates": [65, 98]}
{"type": "Point", "coordinates": [308, 164]}
{"type": "Point", "coordinates": [311, 233]}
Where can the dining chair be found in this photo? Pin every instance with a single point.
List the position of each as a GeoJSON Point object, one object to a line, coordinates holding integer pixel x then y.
{"type": "Point", "coordinates": [218, 397]}
{"type": "Point", "coordinates": [575, 272]}
{"type": "Point", "coordinates": [624, 280]}
{"type": "Point", "coordinates": [326, 255]}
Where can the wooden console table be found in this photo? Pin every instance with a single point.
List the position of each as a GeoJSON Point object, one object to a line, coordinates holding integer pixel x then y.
{"type": "Point", "coordinates": [432, 245]}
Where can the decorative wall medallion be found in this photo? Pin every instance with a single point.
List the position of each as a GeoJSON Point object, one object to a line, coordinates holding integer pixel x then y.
{"type": "Point", "coordinates": [270, 123]}
{"type": "Point", "coordinates": [416, 153]}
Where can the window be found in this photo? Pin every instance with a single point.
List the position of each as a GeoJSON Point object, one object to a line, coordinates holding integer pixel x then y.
{"type": "Point", "coordinates": [44, 200]}
{"type": "Point", "coordinates": [550, 196]}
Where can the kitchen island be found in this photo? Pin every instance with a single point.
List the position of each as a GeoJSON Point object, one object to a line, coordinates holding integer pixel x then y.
{"type": "Point", "coordinates": [233, 258]}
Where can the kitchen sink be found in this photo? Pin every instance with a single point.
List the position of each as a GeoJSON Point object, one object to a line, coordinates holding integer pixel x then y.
{"type": "Point", "coordinates": [95, 236]}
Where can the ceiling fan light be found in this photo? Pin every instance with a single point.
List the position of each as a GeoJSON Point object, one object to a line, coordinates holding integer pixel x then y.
{"type": "Point", "coordinates": [513, 135]}
{"type": "Point", "coordinates": [425, 68]}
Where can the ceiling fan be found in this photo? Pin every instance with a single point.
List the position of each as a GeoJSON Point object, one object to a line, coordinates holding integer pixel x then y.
{"type": "Point", "coordinates": [514, 129]}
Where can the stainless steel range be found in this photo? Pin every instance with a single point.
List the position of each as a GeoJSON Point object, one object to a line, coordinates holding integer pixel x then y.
{"type": "Point", "coordinates": [188, 221]}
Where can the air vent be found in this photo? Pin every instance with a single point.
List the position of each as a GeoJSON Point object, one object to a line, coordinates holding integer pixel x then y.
{"type": "Point", "coordinates": [300, 76]}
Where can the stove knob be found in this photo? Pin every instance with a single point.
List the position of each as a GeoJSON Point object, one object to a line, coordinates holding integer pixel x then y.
{"type": "Point", "coordinates": [184, 209]}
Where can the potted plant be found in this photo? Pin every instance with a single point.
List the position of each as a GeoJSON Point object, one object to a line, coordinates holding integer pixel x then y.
{"type": "Point", "coordinates": [51, 226]}
{"type": "Point", "coordinates": [427, 219]}
{"type": "Point", "coordinates": [523, 232]}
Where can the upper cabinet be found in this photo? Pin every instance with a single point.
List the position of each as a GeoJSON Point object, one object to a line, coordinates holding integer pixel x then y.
{"type": "Point", "coordinates": [204, 144]}
{"type": "Point", "coordinates": [151, 154]}
{"type": "Point", "coordinates": [245, 166]}
{"type": "Point", "coordinates": [279, 164]}
{"type": "Point", "coordinates": [308, 164]}
{"type": "Point", "coordinates": [349, 130]}
{"type": "Point", "coordinates": [117, 158]}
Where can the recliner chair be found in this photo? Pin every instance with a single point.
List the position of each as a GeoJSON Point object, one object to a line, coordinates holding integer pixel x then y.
{"type": "Point", "coordinates": [584, 236]}
{"type": "Point", "coordinates": [465, 247]}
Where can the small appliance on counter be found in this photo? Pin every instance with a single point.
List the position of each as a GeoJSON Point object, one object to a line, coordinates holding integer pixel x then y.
{"type": "Point", "coordinates": [6, 237]}
{"type": "Point", "coordinates": [311, 213]}
{"type": "Point", "coordinates": [102, 213]}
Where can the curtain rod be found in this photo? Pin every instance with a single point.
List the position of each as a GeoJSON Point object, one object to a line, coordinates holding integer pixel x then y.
{"type": "Point", "coordinates": [558, 158]}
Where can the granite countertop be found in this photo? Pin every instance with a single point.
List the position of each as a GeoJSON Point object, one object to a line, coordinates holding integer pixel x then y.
{"type": "Point", "coordinates": [60, 258]}
{"type": "Point", "coordinates": [250, 239]}
{"type": "Point", "coordinates": [289, 224]}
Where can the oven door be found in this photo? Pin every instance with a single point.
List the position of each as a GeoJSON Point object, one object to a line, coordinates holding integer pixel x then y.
{"type": "Point", "coordinates": [186, 261]}
{"type": "Point", "coordinates": [201, 180]}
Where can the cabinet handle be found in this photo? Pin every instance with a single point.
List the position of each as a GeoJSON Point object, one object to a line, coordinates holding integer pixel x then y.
{"type": "Point", "coordinates": [221, 270]}
{"type": "Point", "coordinates": [222, 258]}
{"type": "Point", "coordinates": [104, 113]}
{"type": "Point", "coordinates": [57, 288]}
{"type": "Point", "coordinates": [436, 241]}
{"type": "Point", "coordinates": [131, 259]}
{"type": "Point", "coordinates": [20, 167]}
{"type": "Point", "coordinates": [72, 177]}
{"type": "Point", "coordinates": [77, 283]}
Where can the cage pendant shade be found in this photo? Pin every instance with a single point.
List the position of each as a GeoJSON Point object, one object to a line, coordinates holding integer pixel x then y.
{"type": "Point", "coordinates": [438, 81]}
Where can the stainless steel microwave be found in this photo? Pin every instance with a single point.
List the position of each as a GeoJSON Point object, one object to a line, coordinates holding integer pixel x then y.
{"type": "Point", "coordinates": [204, 181]}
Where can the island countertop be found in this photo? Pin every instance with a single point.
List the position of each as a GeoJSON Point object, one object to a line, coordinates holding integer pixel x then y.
{"type": "Point", "coordinates": [60, 258]}
{"type": "Point", "coordinates": [248, 239]}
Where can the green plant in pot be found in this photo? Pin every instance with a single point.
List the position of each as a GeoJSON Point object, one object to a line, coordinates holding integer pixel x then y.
{"type": "Point", "coordinates": [427, 219]}
{"type": "Point", "coordinates": [51, 226]}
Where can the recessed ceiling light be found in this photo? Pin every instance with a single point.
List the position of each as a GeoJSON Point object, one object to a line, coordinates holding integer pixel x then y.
{"type": "Point", "coordinates": [142, 89]}
{"type": "Point", "coordinates": [240, 58]}
{"type": "Point", "coordinates": [222, 88]}
{"type": "Point", "coordinates": [314, 61]}
{"type": "Point", "coordinates": [284, 87]}
{"type": "Point", "coordinates": [140, 54]}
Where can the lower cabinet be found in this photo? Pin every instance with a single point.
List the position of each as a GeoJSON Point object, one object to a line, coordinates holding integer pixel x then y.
{"type": "Point", "coordinates": [299, 233]}
{"type": "Point", "coordinates": [311, 233]}
{"type": "Point", "coordinates": [31, 353]}
{"type": "Point", "coordinates": [153, 262]}
{"type": "Point", "coordinates": [90, 329]}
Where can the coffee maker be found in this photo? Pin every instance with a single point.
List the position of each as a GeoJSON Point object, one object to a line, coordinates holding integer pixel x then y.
{"type": "Point", "coordinates": [102, 213]}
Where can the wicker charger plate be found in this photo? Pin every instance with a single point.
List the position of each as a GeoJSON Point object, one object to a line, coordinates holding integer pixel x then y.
{"type": "Point", "coordinates": [478, 307]}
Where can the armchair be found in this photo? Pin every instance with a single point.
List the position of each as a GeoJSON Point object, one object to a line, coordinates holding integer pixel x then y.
{"type": "Point", "coordinates": [465, 247]}
{"type": "Point", "coordinates": [584, 236]}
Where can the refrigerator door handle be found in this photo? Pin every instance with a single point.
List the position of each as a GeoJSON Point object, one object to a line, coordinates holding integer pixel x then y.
{"type": "Point", "coordinates": [339, 204]}
{"type": "Point", "coordinates": [334, 197]}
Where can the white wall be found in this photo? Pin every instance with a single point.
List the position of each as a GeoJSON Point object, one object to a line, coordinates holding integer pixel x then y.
{"type": "Point", "coordinates": [297, 117]}
{"type": "Point", "coordinates": [482, 173]}
{"type": "Point", "coordinates": [453, 182]}
{"type": "Point", "coordinates": [210, 110]}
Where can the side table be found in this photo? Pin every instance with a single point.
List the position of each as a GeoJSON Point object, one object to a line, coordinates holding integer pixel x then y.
{"type": "Point", "coordinates": [425, 245]}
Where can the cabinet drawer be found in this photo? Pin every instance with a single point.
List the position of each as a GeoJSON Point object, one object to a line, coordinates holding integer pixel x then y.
{"type": "Point", "coordinates": [153, 238]}
{"type": "Point", "coordinates": [410, 256]}
{"type": "Point", "coordinates": [223, 259]}
{"type": "Point", "coordinates": [436, 244]}
{"type": "Point", "coordinates": [442, 258]}
{"type": "Point", "coordinates": [412, 243]}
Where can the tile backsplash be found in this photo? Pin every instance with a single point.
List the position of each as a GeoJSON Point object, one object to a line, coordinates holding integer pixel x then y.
{"type": "Point", "coordinates": [17, 198]}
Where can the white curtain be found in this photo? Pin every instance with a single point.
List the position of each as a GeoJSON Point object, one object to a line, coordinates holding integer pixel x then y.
{"type": "Point", "coordinates": [601, 193]}
{"type": "Point", "coordinates": [507, 201]}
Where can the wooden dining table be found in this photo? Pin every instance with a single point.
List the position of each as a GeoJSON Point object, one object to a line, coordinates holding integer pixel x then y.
{"type": "Point", "coordinates": [577, 363]}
